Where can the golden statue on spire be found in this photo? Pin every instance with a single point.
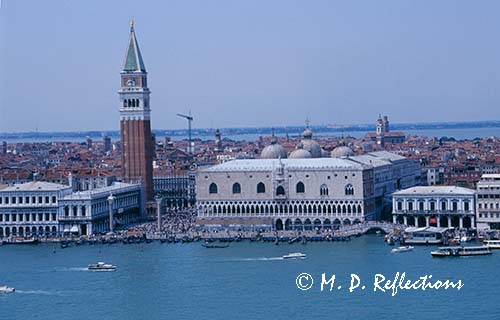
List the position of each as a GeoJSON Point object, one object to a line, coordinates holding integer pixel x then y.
{"type": "Point", "coordinates": [131, 24]}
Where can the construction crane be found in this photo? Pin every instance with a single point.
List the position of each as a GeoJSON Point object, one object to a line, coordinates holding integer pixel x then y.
{"type": "Point", "coordinates": [189, 118]}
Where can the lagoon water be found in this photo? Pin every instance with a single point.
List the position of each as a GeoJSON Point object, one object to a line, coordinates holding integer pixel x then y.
{"type": "Point", "coordinates": [244, 281]}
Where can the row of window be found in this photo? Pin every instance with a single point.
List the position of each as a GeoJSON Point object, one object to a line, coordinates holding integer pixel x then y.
{"type": "Point", "coordinates": [488, 196]}
{"type": "Point", "coordinates": [28, 200]}
{"type": "Point", "coordinates": [27, 217]}
{"type": "Point", "coordinates": [491, 206]}
{"type": "Point", "coordinates": [299, 188]}
{"type": "Point", "coordinates": [491, 215]}
{"type": "Point", "coordinates": [432, 205]}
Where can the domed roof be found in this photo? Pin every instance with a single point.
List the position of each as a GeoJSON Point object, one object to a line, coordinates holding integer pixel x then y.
{"type": "Point", "coordinates": [307, 134]}
{"type": "Point", "coordinates": [300, 153]}
{"type": "Point", "coordinates": [342, 152]}
{"type": "Point", "coordinates": [273, 151]}
{"type": "Point", "coordinates": [313, 147]}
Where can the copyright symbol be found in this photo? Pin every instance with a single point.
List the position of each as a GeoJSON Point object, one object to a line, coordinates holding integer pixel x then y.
{"type": "Point", "coordinates": [304, 281]}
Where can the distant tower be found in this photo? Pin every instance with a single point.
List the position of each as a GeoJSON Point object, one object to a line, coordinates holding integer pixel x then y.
{"type": "Point", "coordinates": [381, 130]}
{"type": "Point", "coordinates": [380, 126]}
{"type": "Point", "coordinates": [135, 123]}
{"type": "Point", "coordinates": [4, 147]}
{"type": "Point", "coordinates": [107, 143]}
{"type": "Point", "coordinates": [386, 124]}
{"type": "Point", "coordinates": [89, 143]}
{"type": "Point", "coordinates": [218, 142]}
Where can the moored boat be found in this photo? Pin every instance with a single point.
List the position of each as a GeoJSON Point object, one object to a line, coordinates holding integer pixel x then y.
{"type": "Point", "coordinates": [402, 249]}
{"type": "Point", "coordinates": [295, 255]}
{"type": "Point", "coordinates": [20, 240]}
{"type": "Point", "coordinates": [5, 289]}
{"type": "Point", "coordinates": [461, 251]}
{"type": "Point", "coordinates": [101, 266]}
{"type": "Point", "coordinates": [492, 244]}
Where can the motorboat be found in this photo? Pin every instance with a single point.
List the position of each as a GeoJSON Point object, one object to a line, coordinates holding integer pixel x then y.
{"type": "Point", "coordinates": [295, 255]}
{"type": "Point", "coordinates": [5, 289]}
{"type": "Point", "coordinates": [101, 266]}
{"type": "Point", "coordinates": [209, 245]}
{"type": "Point", "coordinates": [492, 244]}
{"type": "Point", "coordinates": [461, 251]}
{"type": "Point", "coordinates": [402, 249]}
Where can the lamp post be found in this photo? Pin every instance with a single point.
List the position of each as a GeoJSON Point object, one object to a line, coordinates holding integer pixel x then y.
{"type": "Point", "coordinates": [159, 200]}
{"type": "Point", "coordinates": [111, 200]}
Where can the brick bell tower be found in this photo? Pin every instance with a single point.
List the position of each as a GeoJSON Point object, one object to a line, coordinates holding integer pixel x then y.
{"type": "Point", "coordinates": [135, 123]}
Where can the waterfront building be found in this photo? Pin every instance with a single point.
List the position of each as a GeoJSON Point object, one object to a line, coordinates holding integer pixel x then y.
{"type": "Point", "coordinates": [488, 202]}
{"type": "Point", "coordinates": [31, 208]}
{"type": "Point", "coordinates": [176, 191]}
{"type": "Point", "coordinates": [135, 120]}
{"type": "Point", "coordinates": [87, 212]}
{"type": "Point", "coordinates": [298, 193]}
{"type": "Point", "coordinates": [436, 206]}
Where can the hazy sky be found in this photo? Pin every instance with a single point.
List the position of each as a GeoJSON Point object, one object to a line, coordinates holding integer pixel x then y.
{"type": "Point", "coordinates": [250, 63]}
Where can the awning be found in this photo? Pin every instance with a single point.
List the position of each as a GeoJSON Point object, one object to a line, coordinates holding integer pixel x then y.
{"type": "Point", "coordinates": [74, 229]}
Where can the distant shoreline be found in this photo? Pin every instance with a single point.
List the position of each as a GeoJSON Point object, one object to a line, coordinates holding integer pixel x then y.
{"type": "Point", "coordinates": [198, 133]}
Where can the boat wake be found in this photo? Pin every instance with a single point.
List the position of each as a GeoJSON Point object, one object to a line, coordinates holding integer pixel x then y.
{"type": "Point", "coordinates": [72, 269]}
{"type": "Point", "coordinates": [259, 259]}
{"type": "Point", "coordinates": [43, 292]}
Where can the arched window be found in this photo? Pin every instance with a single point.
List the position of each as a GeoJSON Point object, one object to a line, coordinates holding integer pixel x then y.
{"type": "Point", "coordinates": [349, 190]}
{"type": "Point", "coordinates": [236, 188]}
{"type": "Point", "coordinates": [261, 188]}
{"type": "Point", "coordinates": [213, 188]}
{"type": "Point", "coordinates": [280, 191]}
{"type": "Point", "coordinates": [300, 188]}
{"type": "Point", "coordinates": [323, 190]}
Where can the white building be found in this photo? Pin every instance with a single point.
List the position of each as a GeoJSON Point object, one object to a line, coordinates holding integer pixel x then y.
{"type": "Point", "coordinates": [437, 206]}
{"type": "Point", "coordinates": [300, 193]}
{"type": "Point", "coordinates": [87, 212]}
{"type": "Point", "coordinates": [31, 208]}
{"type": "Point", "coordinates": [488, 202]}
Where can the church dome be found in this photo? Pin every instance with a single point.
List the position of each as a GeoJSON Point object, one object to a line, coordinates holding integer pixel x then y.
{"type": "Point", "coordinates": [307, 134]}
{"type": "Point", "coordinates": [300, 153]}
{"type": "Point", "coordinates": [273, 151]}
{"type": "Point", "coordinates": [313, 147]}
{"type": "Point", "coordinates": [309, 144]}
{"type": "Point", "coordinates": [342, 152]}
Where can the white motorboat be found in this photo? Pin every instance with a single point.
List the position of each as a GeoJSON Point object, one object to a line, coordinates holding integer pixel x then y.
{"type": "Point", "coordinates": [461, 251]}
{"type": "Point", "coordinates": [295, 255]}
{"type": "Point", "coordinates": [101, 266]}
{"type": "Point", "coordinates": [5, 289]}
{"type": "Point", "coordinates": [402, 249]}
{"type": "Point", "coordinates": [492, 244]}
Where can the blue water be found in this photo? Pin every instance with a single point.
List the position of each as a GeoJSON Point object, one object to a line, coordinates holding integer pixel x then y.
{"type": "Point", "coordinates": [245, 281]}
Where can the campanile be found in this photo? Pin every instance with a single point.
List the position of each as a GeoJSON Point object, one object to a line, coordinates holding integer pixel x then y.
{"type": "Point", "coordinates": [135, 119]}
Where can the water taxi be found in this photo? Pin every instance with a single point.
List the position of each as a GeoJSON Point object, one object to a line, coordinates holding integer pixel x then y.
{"type": "Point", "coordinates": [492, 244]}
{"type": "Point", "coordinates": [461, 251]}
{"type": "Point", "coordinates": [402, 249]}
{"type": "Point", "coordinates": [295, 255]}
{"type": "Point", "coordinates": [5, 289]}
{"type": "Point", "coordinates": [101, 266]}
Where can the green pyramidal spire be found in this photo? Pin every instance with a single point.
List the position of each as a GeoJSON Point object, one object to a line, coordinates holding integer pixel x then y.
{"type": "Point", "coordinates": [133, 59]}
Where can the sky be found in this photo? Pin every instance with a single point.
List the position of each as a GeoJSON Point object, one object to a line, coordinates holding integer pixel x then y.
{"type": "Point", "coordinates": [250, 63]}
